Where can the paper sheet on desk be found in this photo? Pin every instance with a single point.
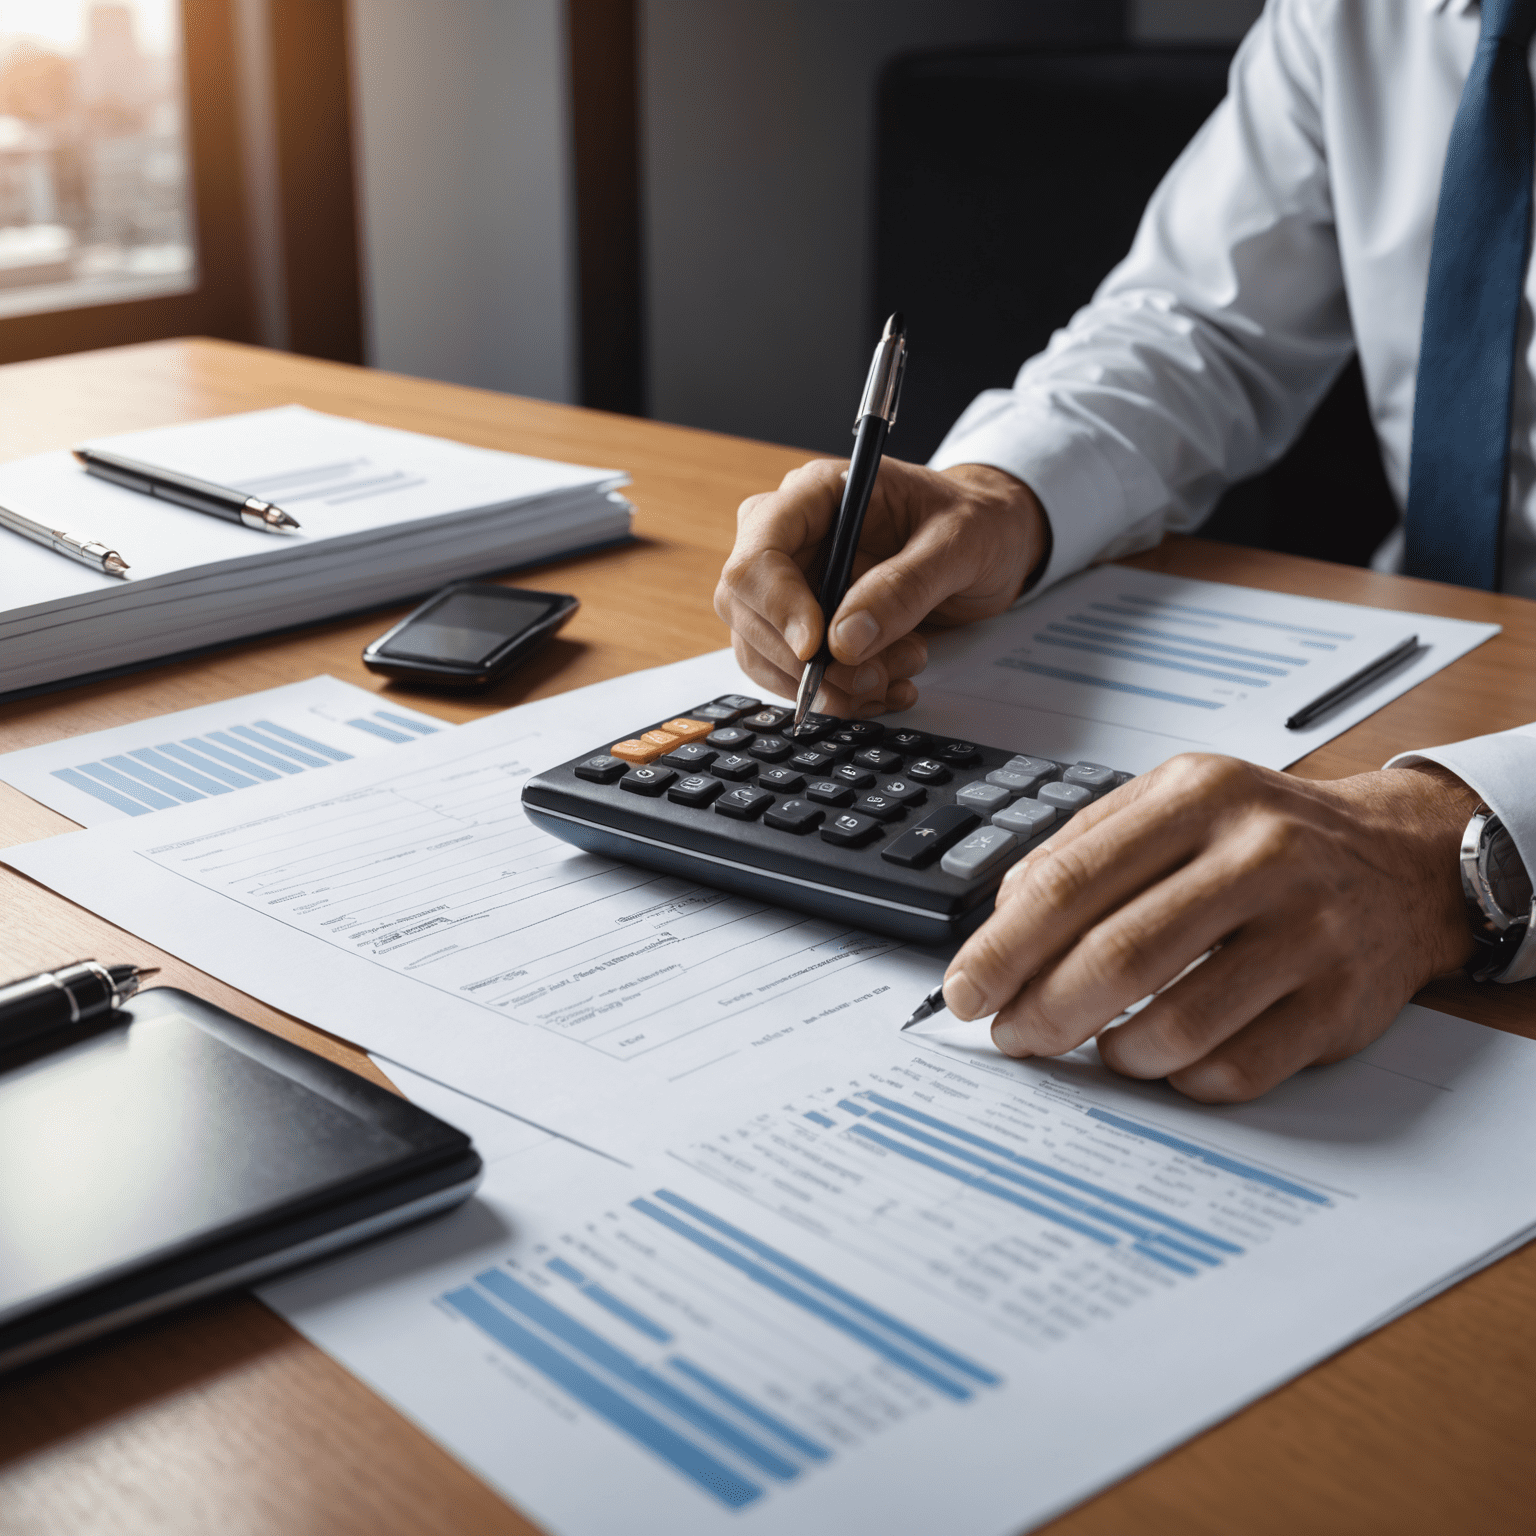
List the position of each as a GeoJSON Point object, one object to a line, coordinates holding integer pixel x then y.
{"type": "Point", "coordinates": [1129, 667]}
{"type": "Point", "coordinates": [406, 904]}
{"type": "Point", "coordinates": [913, 1288]}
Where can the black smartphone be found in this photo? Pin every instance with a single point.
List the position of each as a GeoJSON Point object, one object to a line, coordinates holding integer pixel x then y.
{"type": "Point", "coordinates": [469, 634]}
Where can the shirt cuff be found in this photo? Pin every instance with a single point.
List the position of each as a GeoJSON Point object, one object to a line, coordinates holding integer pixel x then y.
{"type": "Point", "coordinates": [1502, 769]}
{"type": "Point", "coordinates": [1060, 463]}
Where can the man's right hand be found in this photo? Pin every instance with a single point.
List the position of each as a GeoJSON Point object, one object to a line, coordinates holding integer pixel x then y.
{"type": "Point", "coordinates": [948, 546]}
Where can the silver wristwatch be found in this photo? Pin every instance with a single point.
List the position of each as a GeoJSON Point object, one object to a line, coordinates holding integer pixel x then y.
{"type": "Point", "coordinates": [1498, 892]}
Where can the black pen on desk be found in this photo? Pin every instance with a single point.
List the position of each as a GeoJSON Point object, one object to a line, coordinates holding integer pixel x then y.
{"type": "Point", "coordinates": [876, 416]}
{"type": "Point", "coordinates": [186, 491]}
{"type": "Point", "coordinates": [36, 1005]}
{"type": "Point", "coordinates": [1356, 682]}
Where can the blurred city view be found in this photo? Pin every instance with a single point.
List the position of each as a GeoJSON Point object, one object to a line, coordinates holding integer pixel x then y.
{"type": "Point", "coordinates": [95, 194]}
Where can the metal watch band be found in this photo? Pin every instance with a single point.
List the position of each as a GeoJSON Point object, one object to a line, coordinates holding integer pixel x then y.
{"type": "Point", "coordinates": [1489, 864]}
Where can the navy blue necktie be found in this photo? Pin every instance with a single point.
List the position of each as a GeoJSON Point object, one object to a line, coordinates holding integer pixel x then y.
{"type": "Point", "coordinates": [1457, 470]}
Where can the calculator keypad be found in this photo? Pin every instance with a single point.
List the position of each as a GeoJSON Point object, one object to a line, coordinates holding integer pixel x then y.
{"type": "Point", "coordinates": [909, 808]}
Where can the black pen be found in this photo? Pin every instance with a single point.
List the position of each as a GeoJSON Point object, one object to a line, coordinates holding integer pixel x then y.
{"type": "Point", "coordinates": [186, 491]}
{"type": "Point", "coordinates": [36, 1005]}
{"type": "Point", "coordinates": [876, 417]}
{"type": "Point", "coordinates": [1356, 682]}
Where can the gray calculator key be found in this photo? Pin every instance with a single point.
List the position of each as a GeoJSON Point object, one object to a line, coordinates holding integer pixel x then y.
{"type": "Point", "coordinates": [1026, 819]}
{"type": "Point", "coordinates": [979, 852]}
{"type": "Point", "coordinates": [1042, 768]}
{"type": "Point", "coordinates": [1013, 781]}
{"type": "Point", "coordinates": [1066, 797]}
{"type": "Point", "coordinates": [1092, 776]}
{"type": "Point", "coordinates": [983, 798]}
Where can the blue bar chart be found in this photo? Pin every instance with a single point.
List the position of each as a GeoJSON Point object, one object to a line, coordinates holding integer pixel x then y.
{"type": "Point", "coordinates": [734, 1364]}
{"type": "Point", "coordinates": [1178, 653]}
{"type": "Point", "coordinates": [218, 762]}
{"type": "Point", "coordinates": [1046, 1215]}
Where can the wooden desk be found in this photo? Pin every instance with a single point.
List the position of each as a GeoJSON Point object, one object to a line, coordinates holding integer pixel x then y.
{"type": "Point", "coordinates": [223, 1419]}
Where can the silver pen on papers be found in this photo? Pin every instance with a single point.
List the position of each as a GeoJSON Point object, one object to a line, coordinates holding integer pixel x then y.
{"type": "Point", "coordinates": [186, 491]}
{"type": "Point", "coordinates": [86, 551]}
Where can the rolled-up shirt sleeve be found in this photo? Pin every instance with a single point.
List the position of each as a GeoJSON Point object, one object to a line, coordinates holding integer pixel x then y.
{"type": "Point", "coordinates": [1205, 350]}
{"type": "Point", "coordinates": [1502, 769]}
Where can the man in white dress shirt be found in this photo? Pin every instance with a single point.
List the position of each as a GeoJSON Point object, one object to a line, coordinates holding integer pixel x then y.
{"type": "Point", "coordinates": [1296, 228]}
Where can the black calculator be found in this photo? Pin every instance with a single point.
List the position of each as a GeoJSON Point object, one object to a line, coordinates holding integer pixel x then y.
{"type": "Point", "coordinates": [899, 831]}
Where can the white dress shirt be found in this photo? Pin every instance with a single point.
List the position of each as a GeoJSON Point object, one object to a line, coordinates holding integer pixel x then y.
{"type": "Point", "coordinates": [1294, 230]}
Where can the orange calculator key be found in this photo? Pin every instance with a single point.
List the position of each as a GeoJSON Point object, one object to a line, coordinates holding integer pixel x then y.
{"type": "Point", "coordinates": [688, 730]}
{"type": "Point", "coordinates": [663, 739]}
{"type": "Point", "coordinates": [636, 751]}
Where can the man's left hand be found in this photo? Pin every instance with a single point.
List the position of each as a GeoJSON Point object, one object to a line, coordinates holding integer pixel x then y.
{"type": "Point", "coordinates": [1332, 902]}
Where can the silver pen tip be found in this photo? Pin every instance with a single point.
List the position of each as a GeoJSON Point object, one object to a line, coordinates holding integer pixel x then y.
{"type": "Point", "coordinates": [114, 564]}
{"type": "Point", "coordinates": [280, 519]}
{"type": "Point", "coordinates": [810, 686]}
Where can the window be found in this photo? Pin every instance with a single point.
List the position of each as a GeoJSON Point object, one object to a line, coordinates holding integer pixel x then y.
{"type": "Point", "coordinates": [95, 191]}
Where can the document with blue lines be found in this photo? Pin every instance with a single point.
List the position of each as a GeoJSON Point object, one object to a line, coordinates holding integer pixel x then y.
{"type": "Point", "coordinates": [1128, 667]}
{"type": "Point", "coordinates": [911, 1287]}
{"type": "Point", "coordinates": [213, 750]}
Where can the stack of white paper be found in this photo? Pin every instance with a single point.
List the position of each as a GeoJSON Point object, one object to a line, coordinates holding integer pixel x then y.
{"type": "Point", "coordinates": [383, 513]}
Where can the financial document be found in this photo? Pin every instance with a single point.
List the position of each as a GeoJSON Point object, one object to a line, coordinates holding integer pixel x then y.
{"type": "Point", "coordinates": [909, 1287]}
{"type": "Point", "coordinates": [1129, 667]}
{"type": "Point", "coordinates": [213, 750]}
{"type": "Point", "coordinates": [405, 903]}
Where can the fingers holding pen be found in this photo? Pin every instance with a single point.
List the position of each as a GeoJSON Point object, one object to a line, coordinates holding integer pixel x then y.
{"type": "Point", "coordinates": [763, 592]}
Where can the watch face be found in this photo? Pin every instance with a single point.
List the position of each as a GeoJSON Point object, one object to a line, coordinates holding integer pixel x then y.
{"type": "Point", "coordinates": [1504, 875]}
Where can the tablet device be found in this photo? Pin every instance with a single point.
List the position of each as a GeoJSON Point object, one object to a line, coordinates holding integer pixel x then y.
{"type": "Point", "coordinates": [176, 1151]}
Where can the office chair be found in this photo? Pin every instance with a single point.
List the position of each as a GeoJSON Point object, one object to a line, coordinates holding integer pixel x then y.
{"type": "Point", "coordinates": [1007, 186]}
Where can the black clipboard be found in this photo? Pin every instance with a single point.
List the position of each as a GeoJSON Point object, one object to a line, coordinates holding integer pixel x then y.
{"type": "Point", "coordinates": [173, 1151]}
